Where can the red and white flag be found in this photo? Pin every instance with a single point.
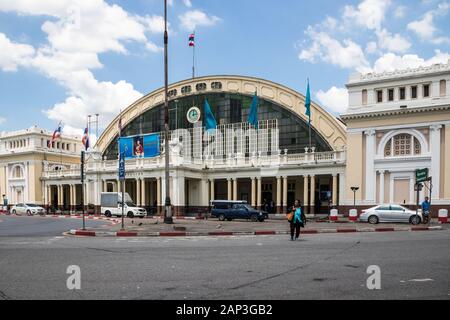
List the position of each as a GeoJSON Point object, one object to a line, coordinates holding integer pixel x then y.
{"type": "Point", "coordinates": [56, 135]}
{"type": "Point", "coordinates": [192, 40]}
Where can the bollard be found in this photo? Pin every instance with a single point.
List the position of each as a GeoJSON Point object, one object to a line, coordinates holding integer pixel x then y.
{"type": "Point", "coordinates": [333, 215]}
{"type": "Point", "coordinates": [353, 215]}
{"type": "Point", "coordinates": [443, 214]}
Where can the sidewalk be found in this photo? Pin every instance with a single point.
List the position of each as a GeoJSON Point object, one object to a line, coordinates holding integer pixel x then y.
{"type": "Point", "coordinates": [213, 227]}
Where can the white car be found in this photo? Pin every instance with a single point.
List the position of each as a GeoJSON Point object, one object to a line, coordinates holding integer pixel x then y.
{"type": "Point", "coordinates": [390, 213]}
{"type": "Point", "coordinates": [27, 208]}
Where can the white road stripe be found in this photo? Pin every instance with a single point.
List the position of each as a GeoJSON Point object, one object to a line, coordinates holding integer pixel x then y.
{"type": "Point", "coordinates": [421, 280]}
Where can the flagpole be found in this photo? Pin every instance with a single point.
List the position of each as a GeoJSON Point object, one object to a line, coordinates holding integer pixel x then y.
{"type": "Point", "coordinates": [168, 206]}
{"type": "Point", "coordinates": [193, 59]}
{"type": "Point", "coordinates": [309, 121]}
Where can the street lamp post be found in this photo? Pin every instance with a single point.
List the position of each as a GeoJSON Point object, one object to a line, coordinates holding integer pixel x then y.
{"type": "Point", "coordinates": [354, 189]}
{"type": "Point", "coordinates": [168, 212]}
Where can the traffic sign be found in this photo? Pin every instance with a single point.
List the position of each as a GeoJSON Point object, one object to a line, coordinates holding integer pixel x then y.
{"type": "Point", "coordinates": [422, 175]}
{"type": "Point", "coordinates": [122, 168]}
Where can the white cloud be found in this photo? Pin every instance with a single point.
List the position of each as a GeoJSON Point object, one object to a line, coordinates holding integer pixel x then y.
{"type": "Point", "coordinates": [371, 47]}
{"type": "Point", "coordinates": [391, 61]}
{"type": "Point", "coordinates": [335, 99]}
{"type": "Point", "coordinates": [369, 13]}
{"type": "Point", "coordinates": [13, 54]}
{"type": "Point", "coordinates": [400, 12]}
{"type": "Point", "coordinates": [77, 33]}
{"type": "Point", "coordinates": [187, 3]}
{"type": "Point", "coordinates": [154, 23]}
{"type": "Point", "coordinates": [195, 18]}
{"type": "Point", "coordinates": [347, 54]}
{"type": "Point", "coordinates": [395, 43]}
{"type": "Point", "coordinates": [2, 120]}
{"type": "Point", "coordinates": [425, 28]}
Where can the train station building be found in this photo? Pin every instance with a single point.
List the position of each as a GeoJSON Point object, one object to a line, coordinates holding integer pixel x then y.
{"type": "Point", "coordinates": [396, 123]}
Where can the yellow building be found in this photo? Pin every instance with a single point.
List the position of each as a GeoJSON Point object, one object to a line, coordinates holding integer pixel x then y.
{"type": "Point", "coordinates": [25, 155]}
{"type": "Point", "coordinates": [398, 122]}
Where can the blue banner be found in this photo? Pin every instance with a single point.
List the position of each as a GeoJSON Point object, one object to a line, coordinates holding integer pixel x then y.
{"type": "Point", "coordinates": [145, 146]}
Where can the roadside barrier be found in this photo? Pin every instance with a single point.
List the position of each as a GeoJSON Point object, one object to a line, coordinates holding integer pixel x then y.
{"type": "Point", "coordinates": [443, 215]}
{"type": "Point", "coordinates": [334, 215]}
{"type": "Point", "coordinates": [353, 215]}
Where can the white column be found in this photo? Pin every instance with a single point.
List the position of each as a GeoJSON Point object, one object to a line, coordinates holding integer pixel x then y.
{"type": "Point", "coordinates": [411, 189]}
{"type": "Point", "coordinates": [341, 188]}
{"type": "Point", "coordinates": [178, 191]}
{"type": "Point", "coordinates": [279, 201]}
{"type": "Point", "coordinates": [235, 186]}
{"type": "Point", "coordinates": [435, 149]}
{"type": "Point", "coordinates": [204, 192]}
{"type": "Point", "coordinates": [370, 173]}
{"type": "Point", "coordinates": [229, 189]}
{"type": "Point", "coordinates": [163, 191]}
{"type": "Point", "coordinates": [312, 196]}
{"type": "Point", "coordinates": [211, 182]}
{"type": "Point", "coordinates": [143, 198]}
{"type": "Point", "coordinates": [27, 182]}
{"type": "Point", "coordinates": [258, 192]}
{"type": "Point", "coordinates": [253, 191]}
{"type": "Point", "coordinates": [96, 193]}
{"type": "Point", "coordinates": [381, 186]}
{"type": "Point", "coordinates": [158, 192]}
{"type": "Point", "coordinates": [45, 190]}
{"type": "Point", "coordinates": [285, 192]}
{"type": "Point", "coordinates": [334, 192]}
{"type": "Point", "coordinates": [305, 191]}
{"type": "Point", "coordinates": [138, 192]}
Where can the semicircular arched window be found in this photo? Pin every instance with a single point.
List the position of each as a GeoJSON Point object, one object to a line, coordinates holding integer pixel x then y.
{"type": "Point", "coordinates": [402, 145]}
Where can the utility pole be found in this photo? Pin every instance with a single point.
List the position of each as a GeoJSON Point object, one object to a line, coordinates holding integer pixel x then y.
{"type": "Point", "coordinates": [168, 212]}
{"type": "Point", "coordinates": [82, 188]}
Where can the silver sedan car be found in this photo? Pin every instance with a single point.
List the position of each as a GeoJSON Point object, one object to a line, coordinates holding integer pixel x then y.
{"type": "Point", "coordinates": [390, 213]}
{"type": "Point", "coordinates": [27, 208]}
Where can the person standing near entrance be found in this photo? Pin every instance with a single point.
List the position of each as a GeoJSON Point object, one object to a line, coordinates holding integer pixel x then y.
{"type": "Point", "coordinates": [426, 206]}
{"type": "Point", "coordinates": [296, 220]}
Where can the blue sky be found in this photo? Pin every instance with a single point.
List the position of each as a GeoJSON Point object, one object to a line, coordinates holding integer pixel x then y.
{"type": "Point", "coordinates": [62, 60]}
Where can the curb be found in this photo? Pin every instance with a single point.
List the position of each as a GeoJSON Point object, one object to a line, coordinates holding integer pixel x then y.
{"type": "Point", "coordinates": [114, 221]}
{"type": "Point", "coordinates": [91, 233]}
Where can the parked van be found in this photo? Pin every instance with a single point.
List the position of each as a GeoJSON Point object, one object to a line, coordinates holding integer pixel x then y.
{"type": "Point", "coordinates": [111, 205]}
{"type": "Point", "coordinates": [229, 210]}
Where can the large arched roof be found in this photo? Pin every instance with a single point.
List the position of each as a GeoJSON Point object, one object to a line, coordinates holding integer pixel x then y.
{"type": "Point", "coordinates": [330, 128]}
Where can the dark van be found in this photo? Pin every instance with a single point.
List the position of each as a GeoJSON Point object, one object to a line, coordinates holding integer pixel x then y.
{"type": "Point", "coordinates": [229, 210]}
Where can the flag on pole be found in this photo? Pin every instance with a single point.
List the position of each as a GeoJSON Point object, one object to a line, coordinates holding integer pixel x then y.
{"type": "Point", "coordinates": [85, 139]}
{"type": "Point", "coordinates": [192, 40]}
{"type": "Point", "coordinates": [210, 121]}
{"type": "Point", "coordinates": [253, 115]}
{"type": "Point", "coordinates": [56, 135]}
{"type": "Point", "coordinates": [308, 104]}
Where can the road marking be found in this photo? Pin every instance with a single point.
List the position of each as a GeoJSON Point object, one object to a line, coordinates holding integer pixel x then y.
{"type": "Point", "coordinates": [421, 280]}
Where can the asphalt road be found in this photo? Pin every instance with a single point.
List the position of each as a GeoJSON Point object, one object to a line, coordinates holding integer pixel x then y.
{"type": "Point", "coordinates": [15, 226]}
{"type": "Point", "coordinates": [414, 265]}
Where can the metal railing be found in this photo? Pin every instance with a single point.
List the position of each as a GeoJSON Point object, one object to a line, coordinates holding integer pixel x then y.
{"type": "Point", "coordinates": [232, 161]}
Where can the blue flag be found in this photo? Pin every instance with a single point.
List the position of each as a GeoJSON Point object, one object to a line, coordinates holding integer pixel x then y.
{"type": "Point", "coordinates": [253, 115]}
{"type": "Point", "coordinates": [308, 103]}
{"type": "Point", "coordinates": [210, 121]}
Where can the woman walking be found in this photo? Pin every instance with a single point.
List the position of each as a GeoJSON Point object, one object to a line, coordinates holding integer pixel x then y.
{"type": "Point", "coordinates": [296, 220]}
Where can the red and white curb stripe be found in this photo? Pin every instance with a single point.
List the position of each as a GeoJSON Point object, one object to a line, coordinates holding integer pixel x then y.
{"type": "Point", "coordinates": [113, 220]}
{"type": "Point", "coordinates": [92, 233]}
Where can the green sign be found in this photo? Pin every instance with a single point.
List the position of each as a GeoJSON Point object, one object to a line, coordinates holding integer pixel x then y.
{"type": "Point", "coordinates": [421, 175]}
